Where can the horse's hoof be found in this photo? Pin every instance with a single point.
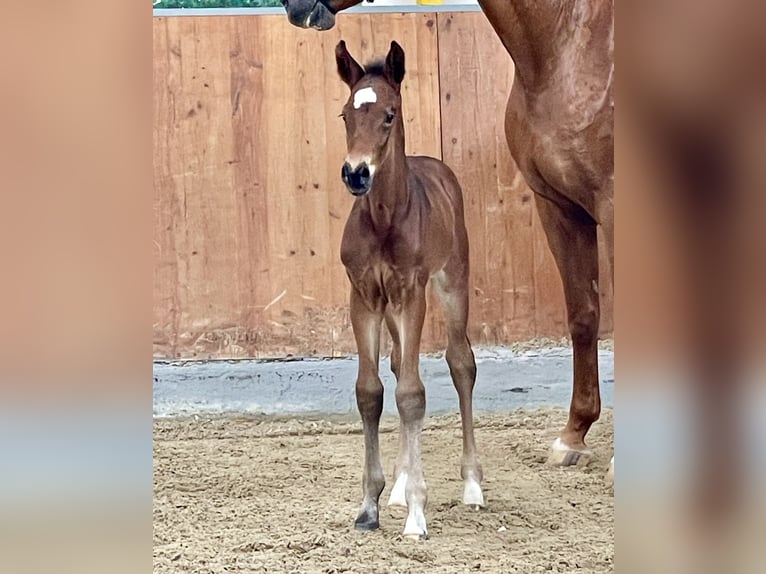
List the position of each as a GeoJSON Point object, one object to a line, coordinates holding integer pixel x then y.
{"type": "Point", "coordinates": [563, 455]}
{"type": "Point", "coordinates": [472, 494]}
{"type": "Point", "coordinates": [610, 472]}
{"type": "Point", "coordinates": [398, 497]}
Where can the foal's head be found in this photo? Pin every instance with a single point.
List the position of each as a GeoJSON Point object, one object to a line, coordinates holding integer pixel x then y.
{"type": "Point", "coordinates": [372, 114]}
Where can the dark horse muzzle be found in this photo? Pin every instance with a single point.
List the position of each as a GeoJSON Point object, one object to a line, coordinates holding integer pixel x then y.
{"type": "Point", "coordinates": [309, 14]}
{"type": "Point", "coordinates": [358, 180]}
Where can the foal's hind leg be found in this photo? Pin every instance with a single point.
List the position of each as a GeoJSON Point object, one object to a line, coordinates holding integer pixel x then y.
{"type": "Point", "coordinates": [453, 294]}
{"type": "Point", "coordinates": [572, 239]}
{"type": "Point", "coordinates": [369, 399]}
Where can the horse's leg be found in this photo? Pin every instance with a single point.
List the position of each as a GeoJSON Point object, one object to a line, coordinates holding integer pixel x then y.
{"type": "Point", "coordinates": [397, 496]}
{"type": "Point", "coordinates": [369, 399]}
{"type": "Point", "coordinates": [396, 348]}
{"type": "Point", "coordinates": [451, 286]}
{"type": "Point", "coordinates": [606, 219]}
{"type": "Point", "coordinates": [572, 237]}
{"type": "Point", "coordinates": [411, 402]}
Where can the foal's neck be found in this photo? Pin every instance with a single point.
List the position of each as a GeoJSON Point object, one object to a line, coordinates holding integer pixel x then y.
{"type": "Point", "coordinates": [389, 193]}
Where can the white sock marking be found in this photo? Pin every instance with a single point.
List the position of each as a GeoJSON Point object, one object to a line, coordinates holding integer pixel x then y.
{"type": "Point", "coordinates": [559, 446]}
{"type": "Point", "coordinates": [398, 492]}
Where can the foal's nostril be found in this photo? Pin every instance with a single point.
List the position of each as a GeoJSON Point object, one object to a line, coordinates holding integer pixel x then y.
{"type": "Point", "coordinates": [345, 172]}
{"type": "Point", "coordinates": [363, 171]}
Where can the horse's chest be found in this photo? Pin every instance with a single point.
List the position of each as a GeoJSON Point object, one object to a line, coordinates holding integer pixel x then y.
{"type": "Point", "coordinates": [556, 157]}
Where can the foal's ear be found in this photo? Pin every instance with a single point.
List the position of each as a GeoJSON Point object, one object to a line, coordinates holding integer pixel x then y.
{"type": "Point", "coordinates": [348, 68]}
{"type": "Point", "coordinates": [394, 68]}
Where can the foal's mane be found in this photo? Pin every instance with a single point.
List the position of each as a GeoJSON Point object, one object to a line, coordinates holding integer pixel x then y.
{"type": "Point", "coordinates": [375, 68]}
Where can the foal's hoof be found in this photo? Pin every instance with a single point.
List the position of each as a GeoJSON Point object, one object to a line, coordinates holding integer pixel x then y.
{"type": "Point", "coordinates": [367, 518]}
{"type": "Point", "coordinates": [472, 494]}
{"type": "Point", "coordinates": [366, 522]}
{"type": "Point", "coordinates": [415, 537]}
{"type": "Point", "coordinates": [415, 527]}
{"type": "Point", "coordinates": [563, 455]}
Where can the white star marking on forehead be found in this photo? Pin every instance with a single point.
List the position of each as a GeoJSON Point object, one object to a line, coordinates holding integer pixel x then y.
{"type": "Point", "coordinates": [365, 96]}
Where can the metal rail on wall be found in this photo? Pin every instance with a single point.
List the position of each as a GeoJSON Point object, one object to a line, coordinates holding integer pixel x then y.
{"type": "Point", "coordinates": [272, 7]}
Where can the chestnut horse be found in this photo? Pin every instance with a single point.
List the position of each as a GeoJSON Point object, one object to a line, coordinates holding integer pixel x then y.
{"type": "Point", "coordinates": [559, 125]}
{"type": "Point", "coordinates": [406, 227]}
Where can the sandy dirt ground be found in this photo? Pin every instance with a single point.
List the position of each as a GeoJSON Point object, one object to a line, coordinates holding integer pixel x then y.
{"type": "Point", "coordinates": [235, 494]}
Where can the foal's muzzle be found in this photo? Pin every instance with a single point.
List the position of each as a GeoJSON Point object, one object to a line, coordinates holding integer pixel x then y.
{"type": "Point", "coordinates": [358, 179]}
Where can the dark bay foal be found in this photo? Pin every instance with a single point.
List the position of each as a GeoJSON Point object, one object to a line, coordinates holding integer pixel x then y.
{"type": "Point", "coordinates": [406, 227]}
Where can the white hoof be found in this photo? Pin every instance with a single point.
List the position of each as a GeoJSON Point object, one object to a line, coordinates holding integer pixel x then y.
{"type": "Point", "coordinates": [398, 492]}
{"type": "Point", "coordinates": [415, 527]}
{"type": "Point", "coordinates": [472, 494]}
{"type": "Point", "coordinates": [610, 472]}
{"type": "Point", "coordinates": [562, 455]}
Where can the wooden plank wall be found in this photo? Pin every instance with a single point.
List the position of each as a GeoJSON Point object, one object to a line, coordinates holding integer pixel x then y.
{"type": "Point", "coordinates": [249, 207]}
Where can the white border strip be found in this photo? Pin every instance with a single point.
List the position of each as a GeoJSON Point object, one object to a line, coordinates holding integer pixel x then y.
{"type": "Point", "coordinates": [359, 9]}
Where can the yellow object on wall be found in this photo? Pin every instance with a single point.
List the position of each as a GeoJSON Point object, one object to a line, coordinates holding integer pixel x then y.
{"type": "Point", "coordinates": [430, 2]}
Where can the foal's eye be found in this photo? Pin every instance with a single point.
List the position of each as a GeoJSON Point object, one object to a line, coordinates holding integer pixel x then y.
{"type": "Point", "coordinates": [342, 115]}
{"type": "Point", "coordinates": [390, 118]}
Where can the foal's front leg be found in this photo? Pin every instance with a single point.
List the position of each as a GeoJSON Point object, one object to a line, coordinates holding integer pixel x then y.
{"type": "Point", "coordinates": [366, 319]}
{"type": "Point", "coordinates": [411, 403]}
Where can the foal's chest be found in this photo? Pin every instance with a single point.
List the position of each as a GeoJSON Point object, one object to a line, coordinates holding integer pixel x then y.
{"type": "Point", "coordinates": [383, 284]}
{"type": "Point", "coordinates": [383, 270]}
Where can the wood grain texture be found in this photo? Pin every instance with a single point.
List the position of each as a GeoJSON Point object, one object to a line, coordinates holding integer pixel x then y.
{"type": "Point", "coordinates": [249, 207]}
{"type": "Point", "coordinates": [512, 292]}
